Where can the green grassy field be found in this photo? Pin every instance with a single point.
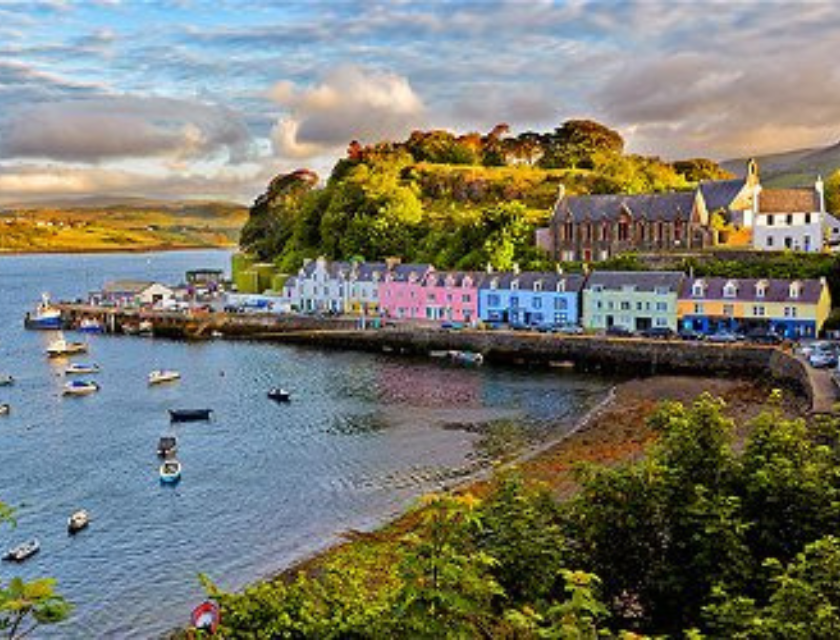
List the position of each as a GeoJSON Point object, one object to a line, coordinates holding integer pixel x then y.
{"type": "Point", "coordinates": [121, 227]}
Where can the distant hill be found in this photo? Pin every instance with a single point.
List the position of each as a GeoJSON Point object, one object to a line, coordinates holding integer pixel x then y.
{"type": "Point", "coordinates": [795, 168]}
{"type": "Point", "coordinates": [118, 224]}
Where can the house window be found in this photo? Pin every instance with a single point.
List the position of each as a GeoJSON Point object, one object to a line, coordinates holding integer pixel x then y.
{"type": "Point", "coordinates": [698, 309]}
{"type": "Point", "coordinates": [605, 232]}
{"type": "Point", "coordinates": [662, 291]}
{"type": "Point", "coordinates": [597, 288]}
{"type": "Point", "coordinates": [494, 283]}
{"type": "Point", "coordinates": [514, 302]}
{"type": "Point", "coordinates": [758, 310]}
{"type": "Point", "coordinates": [662, 322]}
{"type": "Point", "coordinates": [793, 292]}
{"type": "Point", "coordinates": [789, 219]}
{"type": "Point", "coordinates": [661, 306]}
{"type": "Point", "coordinates": [623, 231]}
{"type": "Point", "coordinates": [698, 289]}
{"type": "Point", "coordinates": [599, 305]}
{"type": "Point", "coordinates": [788, 242]}
{"type": "Point", "coordinates": [625, 306]}
{"type": "Point", "coordinates": [729, 310]}
{"type": "Point", "coordinates": [806, 243]}
{"type": "Point", "coordinates": [465, 298]}
{"type": "Point", "coordinates": [770, 221]}
{"type": "Point", "coordinates": [561, 286]}
{"type": "Point", "coordinates": [492, 301]}
{"type": "Point", "coordinates": [514, 285]}
{"type": "Point", "coordinates": [769, 241]}
{"type": "Point", "coordinates": [432, 297]}
{"type": "Point", "coordinates": [560, 304]}
{"type": "Point", "coordinates": [538, 286]}
{"type": "Point", "coordinates": [760, 290]}
{"type": "Point", "coordinates": [730, 290]}
{"type": "Point", "coordinates": [639, 306]}
{"type": "Point", "coordinates": [537, 303]}
{"type": "Point", "coordinates": [807, 218]}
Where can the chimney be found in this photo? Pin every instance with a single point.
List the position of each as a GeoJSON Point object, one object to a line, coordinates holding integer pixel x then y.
{"type": "Point", "coordinates": [819, 187]}
{"type": "Point", "coordinates": [515, 268]}
{"type": "Point", "coordinates": [559, 268]}
{"type": "Point", "coordinates": [392, 262]}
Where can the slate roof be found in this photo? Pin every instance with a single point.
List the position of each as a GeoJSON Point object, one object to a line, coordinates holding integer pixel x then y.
{"type": "Point", "coordinates": [527, 280]}
{"type": "Point", "coordinates": [127, 286]}
{"type": "Point", "coordinates": [439, 278]}
{"type": "Point", "coordinates": [641, 280]}
{"type": "Point", "coordinates": [788, 200]}
{"type": "Point", "coordinates": [658, 206]}
{"type": "Point", "coordinates": [776, 291]}
{"type": "Point", "coordinates": [366, 270]}
{"type": "Point", "coordinates": [719, 194]}
{"type": "Point", "coordinates": [402, 272]}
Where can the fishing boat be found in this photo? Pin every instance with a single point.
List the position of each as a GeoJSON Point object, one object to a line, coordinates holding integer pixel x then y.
{"type": "Point", "coordinates": [80, 388]}
{"type": "Point", "coordinates": [170, 471]}
{"type": "Point", "coordinates": [189, 415]}
{"type": "Point", "coordinates": [80, 368]}
{"type": "Point", "coordinates": [159, 376]}
{"type": "Point", "coordinates": [90, 325]}
{"type": "Point", "coordinates": [145, 328]}
{"type": "Point", "coordinates": [466, 358]}
{"type": "Point", "coordinates": [280, 395]}
{"type": "Point", "coordinates": [45, 316]}
{"type": "Point", "coordinates": [5, 409]}
{"type": "Point", "coordinates": [62, 347]}
{"type": "Point", "coordinates": [6, 380]}
{"type": "Point", "coordinates": [205, 617]}
{"type": "Point", "coordinates": [167, 446]}
{"type": "Point", "coordinates": [23, 551]}
{"type": "Point", "coordinates": [77, 521]}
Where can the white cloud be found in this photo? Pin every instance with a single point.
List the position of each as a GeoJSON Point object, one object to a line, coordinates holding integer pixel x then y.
{"type": "Point", "coordinates": [350, 103]}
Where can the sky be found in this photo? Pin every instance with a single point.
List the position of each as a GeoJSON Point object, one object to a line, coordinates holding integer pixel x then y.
{"type": "Point", "coordinates": [211, 99]}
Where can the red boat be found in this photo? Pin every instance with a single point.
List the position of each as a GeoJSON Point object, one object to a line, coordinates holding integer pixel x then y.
{"type": "Point", "coordinates": [206, 617]}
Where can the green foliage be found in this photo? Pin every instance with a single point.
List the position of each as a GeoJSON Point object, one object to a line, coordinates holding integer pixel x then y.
{"type": "Point", "coordinates": [832, 192]}
{"type": "Point", "coordinates": [26, 605]}
{"type": "Point", "coordinates": [580, 144]}
{"type": "Point", "coordinates": [697, 169]}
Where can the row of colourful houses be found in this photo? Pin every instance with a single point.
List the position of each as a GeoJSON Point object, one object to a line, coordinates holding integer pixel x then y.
{"type": "Point", "coordinates": [599, 300]}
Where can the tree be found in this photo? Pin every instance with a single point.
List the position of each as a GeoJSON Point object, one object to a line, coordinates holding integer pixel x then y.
{"type": "Point", "coordinates": [577, 144]}
{"type": "Point", "coordinates": [832, 192]}
{"type": "Point", "coordinates": [697, 169]}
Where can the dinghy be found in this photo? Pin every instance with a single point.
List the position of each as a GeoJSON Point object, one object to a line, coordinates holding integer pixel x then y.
{"type": "Point", "coordinates": [280, 395]}
{"type": "Point", "coordinates": [167, 446]}
{"type": "Point", "coordinates": [170, 471]}
{"type": "Point", "coordinates": [189, 415]}
{"type": "Point", "coordinates": [159, 376]}
{"type": "Point", "coordinates": [5, 409]}
{"type": "Point", "coordinates": [80, 388]}
{"type": "Point", "coordinates": [205, 617]}
{"type": "Point", "coordinates": [23, 551]}
{"type": "Point", "coordinates": [75, 369]}
{"type": "Point", "coordinates": [62, 347]}
{"type": "Point", "coordinates": [6, 380]}
{"type": "Point", "coordinates": [77, 521]}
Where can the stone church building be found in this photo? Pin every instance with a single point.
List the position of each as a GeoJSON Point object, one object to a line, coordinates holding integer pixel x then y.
{"type": "Point", "coordinates": [597, 227]}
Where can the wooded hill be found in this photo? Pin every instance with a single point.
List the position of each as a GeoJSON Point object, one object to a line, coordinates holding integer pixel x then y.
{"type": "Point", "coordinates": [458, 201]}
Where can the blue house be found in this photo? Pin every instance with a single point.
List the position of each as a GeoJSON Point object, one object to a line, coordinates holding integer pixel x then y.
{"type": "Point", "coordinates": [530, 298]}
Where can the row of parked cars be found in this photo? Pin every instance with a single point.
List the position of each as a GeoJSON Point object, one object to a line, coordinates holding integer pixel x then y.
{"type": "Point", "coordinates": [759, 336]}
{"type": "Point", "coordinates": [821, 355]}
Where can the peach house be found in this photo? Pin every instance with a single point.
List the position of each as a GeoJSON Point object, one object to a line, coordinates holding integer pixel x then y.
{"type": "Point", "coordinates": [401, 294]}
{"type": "Point", "coordinates": [451, 295]}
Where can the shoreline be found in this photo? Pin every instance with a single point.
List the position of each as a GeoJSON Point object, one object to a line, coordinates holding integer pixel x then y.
{"type": "Point", "coordinates": [127, 249]}
{"type": "Point", "coordinates": [612, 432]}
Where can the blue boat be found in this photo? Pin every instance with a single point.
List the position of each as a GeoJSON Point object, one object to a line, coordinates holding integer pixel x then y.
{"type": "Point", "coordinates": [170, 471]}
{"type": "Point", "coordinates": [45, 316]}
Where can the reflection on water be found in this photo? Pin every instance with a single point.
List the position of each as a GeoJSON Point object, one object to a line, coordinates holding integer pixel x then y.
{"type": "Point", "coordinates": [263, 482]}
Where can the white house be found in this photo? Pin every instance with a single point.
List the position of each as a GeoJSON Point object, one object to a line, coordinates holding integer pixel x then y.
{"type": "Point", "coordinates": [792, 219]}
{"type": "Point", "coordinates": [135, 293]}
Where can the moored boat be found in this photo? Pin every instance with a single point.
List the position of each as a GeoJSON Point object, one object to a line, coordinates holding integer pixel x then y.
{"type": "Point", "coordinates": [23, 551]}
{"type": "Point", "coordinates": [5, 409]}
{"type": "Point", "coordinates": [90, 325]}
{"type": "Point", "coordinates": [159, 376]}
{"type": "Point", "coordinates": [466, 358]}
{"type": "Point", "coordinates": [45, 316]}
{"type": "Point", "coordinates": [280, 395]}
{"type": "Point", "coordinates": [189, 415]}
{"type": "Point", "coordinates": [6, 380]}
{"type": "Point", "coordinates": [205, 617]}
{"type": "Point", "coordinates": [77, 521]}
{"type": "Point", "coordinates": [79, 368]}
{"type": "Point", "coordinates": [170, 471]}
{"type": "Point", "coordinates": [62, 347]}
{"type": "Point", "coordinates": [167, 446]}
{"type": "Point", "coordinates": [80, 388]}
{"type": "Point", "coordinates": [145, 328]}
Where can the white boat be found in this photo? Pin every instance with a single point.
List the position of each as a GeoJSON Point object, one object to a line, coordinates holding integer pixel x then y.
{"type": "Point", "coordinates": [62, 347]}
{"type": "Point", "coordinates": [75, 369]}
{"type": "Point", "coordinates": [159, 376]}
{"type": "Point", "coordinates": [466, 358]}
{"type": "Point", "coordinates": [170, 471]}
{"type": "Point", "coordinates": [77, 521]}
{"type": "Point", "coordinates": [145, 328]}
{"type": "Point", "coordinates": [5, 409]}
{"type": "Point", "coordinates": [6, 380]}
{"type": "Point", "coordinates": [23, 551]}
{"type": "Point", "coordinates": [90, 325]}
{"type": "Point", "coordinates": [80, 388]}
{"type": "Point", "coordinates": [45, 316]}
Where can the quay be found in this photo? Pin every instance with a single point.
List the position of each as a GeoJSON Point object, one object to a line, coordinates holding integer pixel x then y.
{"type": "Point", "coordinates": [597, 353]}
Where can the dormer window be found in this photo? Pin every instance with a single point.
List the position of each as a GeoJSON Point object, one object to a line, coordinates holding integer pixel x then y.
{"type": "Point", "coordinates": [494, 283]}
{"type": "Point", "coordinates": [514, 285]}
{"type": "Point", "coordinates": [795, 288]}
{"type": "Point", "coordinates": [561, 286]}
{"type": "Point", "coordinates": [698, 289]}
{"type": "Point", "coordinates": [730, 290]}
{"type": "Point", "coordinates": [538, 285]}
{"type": "Point", "coordinates": [760, 289]}
{"type": "Point", "coordinates": [466, 283]}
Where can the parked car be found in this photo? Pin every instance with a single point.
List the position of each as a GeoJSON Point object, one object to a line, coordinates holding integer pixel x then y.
{"type": "Point", "coordinates": [659, 333]}
{"type": "Point", "coordinates": [451, 326]}
{"type": "Point", "coordinates": [619, 331]}
{"type": "Point", "coordinates": [723, 337]}
{"type": "Point", "coordinates": [823, 359]}
{"type": "Point", "coordinates": [570, 329]}
{"type": "Point", "coordinates": [762, 336]}
{"type": "Point", "coordinates": [691, 335]}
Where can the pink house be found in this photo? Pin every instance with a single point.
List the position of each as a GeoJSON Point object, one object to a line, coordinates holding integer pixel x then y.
{"type": "Point", "coordinates": [451, 295]}
{"type": "Point", "coordinates": [401, 295]}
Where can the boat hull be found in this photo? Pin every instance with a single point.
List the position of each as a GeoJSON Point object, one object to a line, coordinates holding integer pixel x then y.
{"type": "Point", "coordinates": [189, 415]}
{"type": "Point", "coordinates": [43, 324]}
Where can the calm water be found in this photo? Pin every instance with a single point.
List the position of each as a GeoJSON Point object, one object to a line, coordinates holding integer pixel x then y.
{"type": "Point", "coordinates": [263, 484]}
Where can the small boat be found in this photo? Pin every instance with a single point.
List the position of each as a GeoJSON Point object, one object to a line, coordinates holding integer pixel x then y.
{"type": "Point", "coordinates": [80, 388]}
{"type": "Point", "coordinates": [159, 376]}
{"type": "Point", "coordinates": [79, 368]}
{"type": "Point", "coordinates": [466, 358]}
{"type": "Point", "coordinates": [206, 616]}
{"type": "Point", "coordinates": [6, 380]}
{"type": "Point", "coordinates": [145, 328]}
{"type": "Point", "coordinates": [130, 328]}
{"type": "Point", "coordinates": [45, 316]}
{"type": "Point", "coordinates": [170, 471]}
{"type": "Point", "coordinates": [62, 347]}
{"type": "Point", "coordinates": [90, 325]}
{"type": "Point", "coordinates": [5, 409]}
{"type": "Point", "coordinates": [77, 521]}
{"type": "Point", "coordinates": [23, 551]}
{"type": "Point", "coordinates": [280, 395]}
{"type": "Point", "coordinates": [167, 446]}
{"type": "Point", "coordinates": [189, 415]}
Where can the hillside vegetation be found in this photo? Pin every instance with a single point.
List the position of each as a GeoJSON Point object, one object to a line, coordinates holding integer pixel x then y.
{"type": "Point", "coordinates": [120, 227]}
{"type": "Point", "coordinates": [797, 168]}
{"type": "Point", "coordinates": [457, 201]}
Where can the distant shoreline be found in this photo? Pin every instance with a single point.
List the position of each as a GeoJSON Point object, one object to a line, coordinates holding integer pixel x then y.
{"type": "Point", "coordinates": [126, 249]}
